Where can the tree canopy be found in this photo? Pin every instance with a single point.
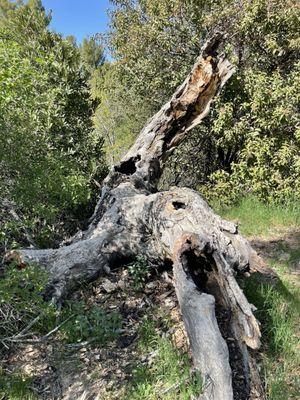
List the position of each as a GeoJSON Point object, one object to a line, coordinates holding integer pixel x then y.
{"type": "Point", "coordinates": [250, 143]}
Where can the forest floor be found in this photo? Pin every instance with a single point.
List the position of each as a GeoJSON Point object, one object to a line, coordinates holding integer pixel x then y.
{"type": "Point", "coordinates": [146, 357]}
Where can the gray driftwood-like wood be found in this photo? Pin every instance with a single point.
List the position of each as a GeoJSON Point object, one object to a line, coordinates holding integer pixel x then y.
{"type": "Point", "coordinates": [174, 227]}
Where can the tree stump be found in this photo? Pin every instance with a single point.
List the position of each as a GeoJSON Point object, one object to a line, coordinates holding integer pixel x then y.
{"type": "Point", "coordinates": [176, 227]}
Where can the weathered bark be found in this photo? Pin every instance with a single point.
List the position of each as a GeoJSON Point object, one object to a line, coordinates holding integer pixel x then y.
{"type": "Point", "coordinates": [176, 226]}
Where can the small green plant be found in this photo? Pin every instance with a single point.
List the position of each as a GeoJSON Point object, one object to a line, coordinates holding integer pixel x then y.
{"type": "Point", "coordinates": [89, 323]}
{"type": "Point", "coordinates": [147, 334]}
{"type": "Point", "coordinates": [139, 271]}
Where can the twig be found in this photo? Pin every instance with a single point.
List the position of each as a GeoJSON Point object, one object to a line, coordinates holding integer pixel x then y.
{"type": "Point", "coordinates": [26, 329]}
{"type": "Point", "coordinates": [43, 338]}
{"type": "Point", "coordinates": [57, 327]}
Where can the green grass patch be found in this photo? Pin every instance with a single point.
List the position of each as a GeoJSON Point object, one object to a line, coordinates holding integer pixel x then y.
{"type": "Point", "coordinates": [278, 311]}
{"type": "Point", "coordinates": [15, 387]}
{"type": "Point", "coordinates": [258, 218]}
{"type": "Point", "coordinates": [168, 376]}
{"type": "Point", "coordinates": [278, 305]}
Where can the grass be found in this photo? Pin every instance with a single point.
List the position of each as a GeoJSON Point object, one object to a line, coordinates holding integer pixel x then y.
{"type": "Point", "coordinates": [15, 387]}
{"type": "Point", "coordinates": [278, 311]}
{"type": "Point", "coordinates": [256, 218]}
{"type": "Point", "coordinates": [169, 374]}
{"type": "Point", "coordinates": [278, 305]}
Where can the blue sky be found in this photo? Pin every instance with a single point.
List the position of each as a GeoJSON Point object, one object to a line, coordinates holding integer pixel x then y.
{"type": "Point", "coordinates": [80, 18]}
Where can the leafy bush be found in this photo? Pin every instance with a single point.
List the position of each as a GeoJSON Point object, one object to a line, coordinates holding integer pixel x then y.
{"type": "Point", "coordinates": [49, 152]}
{"type": "Point", "coordinates": [267, 163]}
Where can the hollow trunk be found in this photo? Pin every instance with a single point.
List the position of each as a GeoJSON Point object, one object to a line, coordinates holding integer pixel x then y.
{"type": "Point", "coordinates": [175, 227]}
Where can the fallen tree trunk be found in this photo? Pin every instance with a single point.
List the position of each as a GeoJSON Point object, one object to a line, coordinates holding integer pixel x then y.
{"type": "Point", "coordinates": [173, 227]}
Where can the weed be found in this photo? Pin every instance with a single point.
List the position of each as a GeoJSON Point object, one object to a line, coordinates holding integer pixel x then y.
{"type": "Point", "coordinates": [147, 334]}
{"type": "Point", "coordinates": [89, 323]}
{"type": "Point", "coordinates": [139, 271]}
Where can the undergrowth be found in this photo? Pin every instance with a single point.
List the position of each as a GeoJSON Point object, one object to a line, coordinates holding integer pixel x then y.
{"type": "Point", "coordinates": [167, 375]}
{"type": "Point", "coordinates": [26, 316]}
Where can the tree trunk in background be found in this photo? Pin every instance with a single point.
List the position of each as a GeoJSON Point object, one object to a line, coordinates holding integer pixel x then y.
{"type": "Point", "coordinates": [173, 227]}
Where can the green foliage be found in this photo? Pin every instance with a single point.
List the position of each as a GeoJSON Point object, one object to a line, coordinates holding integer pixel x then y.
{"type": "Point", "coordinates": [120, 114]}
{"type": "Point", "coordinates": [169, 375]}
{"type": "Point", "coordinates": [21, 301]}
{"type": "Point", "coordinates": [250, 142]}
{"type": "Point", "coordinates": [266, 136]}
{"type": "Point", "coordinates": [49, 151]}
{"type": "Point", "coordinates": [139, 271]}
{"type": "Point", "coordinates": [89, 323]}
{"type": "Point", "coordinates": [92, 53]}
{"type": "Point", "coordinates": [155, 43]}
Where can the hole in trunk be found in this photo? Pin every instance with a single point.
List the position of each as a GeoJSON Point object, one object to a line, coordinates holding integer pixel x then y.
{"type": "Point", "coordinates": [178, 205]}
{"type": "Point", "coordinates": [118, 260]}
{"type": "Point", "coordinates": [128, 167]}
{"type": "Point", "coordinates": [198, 267]}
